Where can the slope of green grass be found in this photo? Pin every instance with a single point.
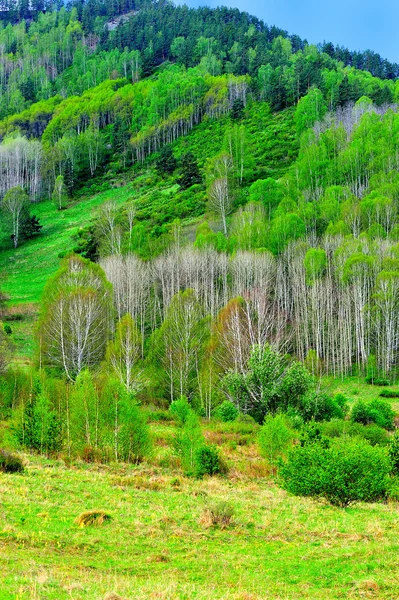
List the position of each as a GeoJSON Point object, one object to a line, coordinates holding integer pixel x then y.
{"type": "Point", "coordinates": [28, 268]}
{"type": "Point", "coordinates": [160, 544]}
{"type": "Point", "coordinates": [270, 137]}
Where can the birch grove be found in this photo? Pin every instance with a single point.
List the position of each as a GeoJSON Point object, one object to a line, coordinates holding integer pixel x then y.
{"type": "Point", "coordinates": [345, 312]}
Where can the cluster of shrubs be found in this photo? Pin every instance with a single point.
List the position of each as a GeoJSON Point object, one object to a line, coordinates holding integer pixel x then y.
{"type": "Point", "coordinates": [389, 394]}
{"type": "Point", "coordinates": [341, 460]}
{"type": "Point", "coordinates": [341, 471]}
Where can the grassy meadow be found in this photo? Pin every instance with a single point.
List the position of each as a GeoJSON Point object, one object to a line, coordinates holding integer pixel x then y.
{"type": "Point", "coordinates": [160, 541]}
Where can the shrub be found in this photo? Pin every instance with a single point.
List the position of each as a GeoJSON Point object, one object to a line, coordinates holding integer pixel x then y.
{"type": "Point", "coordinates": [393, 452]}
{"type": "Point", "coordinates": [275, 438]}
{"type": "Point", "coordinates": [379, 381]}
{"type": "Point", "coordinates": [134, 439]}
{"type": "Point", "coordinates": [374, 434]}
{"type": "Point", "coordinates": [322, 407]}
{"type": "Point", "coordinates": [389, 394]}
{"type": "Point", "coordinates": [218, 513]}
{"type": "Point", "coordinates": [345, 472]}
{"type": "Point", "coordinates": [189, 440]}
{"type": "Point", "coordinates": [376, 411]}
{"type": "Point", "coordinates": [227, 411]}
{"type": "Point", "coordinates": [10, 463]}
{"type": "Point", "coordinates": [312, 434]}
{"type": "Point", "coordinates": [180, 409]}
{"type": "Point", "coordinates": [243, 418]}
{"type": "Point", "coordinates": [7, 329]}
{"type": "Point", "coordinates": [207, 461]}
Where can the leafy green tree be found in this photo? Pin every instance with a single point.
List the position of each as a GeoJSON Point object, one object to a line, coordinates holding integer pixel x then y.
{"type": "Point", "coordinates": [75, 317]}
{"type": "Point", "coordinates": [84, 426]}
{"type": "Point", "coordinates": [269, 192]}
{"type": "Point", "coordinates": [311, 108]}
{"type": "Point", "coordinates": [275, 438]}
{"type": "Point", "coordinates": [14, 205]}
{"type": "Point", "coordinates": [124, 352]}
{"type": "Point", "coordinates": [271, 383]}
{"type": "Point", "coordinates": [189, 441]}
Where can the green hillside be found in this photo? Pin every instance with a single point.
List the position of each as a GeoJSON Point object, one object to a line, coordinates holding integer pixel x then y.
{"type": "Point", "coordinates": [199, 307]}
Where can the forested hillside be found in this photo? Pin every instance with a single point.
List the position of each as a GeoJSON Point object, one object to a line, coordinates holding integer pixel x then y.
{"type": "Point", "coordinates": [199, 256]}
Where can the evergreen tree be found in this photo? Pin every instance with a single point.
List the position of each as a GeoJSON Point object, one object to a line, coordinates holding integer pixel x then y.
{"type": "Point", "coordinates": [190, 173]}
{"type": "Point", "coordinates": [166, 163]}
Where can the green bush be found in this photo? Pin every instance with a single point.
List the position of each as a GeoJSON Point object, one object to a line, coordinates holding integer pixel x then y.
{"type": "Point", "coordinates": [375, 435]}
{"type": "Point", "coordinates": [7, 329]}
{"type": "Point", "coordinates": [10, 463]}
{"type": "Point", "coordinates": [379, 381]}
{"type": "Point", "coordinates": [389, 394]}
{"type": "Point", "coordinates": [312, 433]}
{"type": "Point", "coordinates": [393, 452]}
{"type": "Point", "coordinates": [376, 411]}
{"type": "Point", "coordinates": [322, 407]}
{"type": "Point", "coordinates": [134, 438]}
{"type": "Point", "coordinates": [180, 409]}
{"type": "Point", "coordinates": [208, 461]}
{"type": "Point", "coordinates": [189, 440]}
{"type": "Point", "coordinates": [243, 418]}
{"type": "Point", "coordinates": [275, 438]}
{"type": "Point", "coordinates": [227, 411]}
{"type": "Point", "coordinates": [36, 425]}
{"type": "Point", "coordinates": [347, 471]}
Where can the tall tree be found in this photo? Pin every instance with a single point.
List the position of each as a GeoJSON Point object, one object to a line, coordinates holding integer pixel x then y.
{"type": "Point", "coordinates": [76, 317]}
{"type": "Point", "coordinates": [14, 204]}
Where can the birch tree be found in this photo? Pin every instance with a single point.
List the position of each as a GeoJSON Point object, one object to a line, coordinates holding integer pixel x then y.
{"type": "Point", "coordinates": [76, 317]}
{"type": "Point", "coordinates": [14, 204]}
{"type": "Point", "coordinates": [124, 352]}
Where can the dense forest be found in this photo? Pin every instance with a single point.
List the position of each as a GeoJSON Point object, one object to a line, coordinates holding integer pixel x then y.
{"type": "Point", "coordinates": [241, 245]}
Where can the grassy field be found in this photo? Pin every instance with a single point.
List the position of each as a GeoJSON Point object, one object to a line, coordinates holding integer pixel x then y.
{"type": "Point", "coordinates": [160, 543]}
{"type": "Point", "coordinates": [28, 268]}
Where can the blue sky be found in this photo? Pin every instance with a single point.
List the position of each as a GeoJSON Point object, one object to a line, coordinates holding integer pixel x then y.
{"type": "Point", "coordinates": [358, 25]}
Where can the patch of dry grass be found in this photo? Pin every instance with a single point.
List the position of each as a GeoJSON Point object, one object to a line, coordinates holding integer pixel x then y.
{"type": "Point", "coordinates": [92, 517]}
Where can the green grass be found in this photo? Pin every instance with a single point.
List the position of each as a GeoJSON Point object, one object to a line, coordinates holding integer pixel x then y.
{"type": "Point", "coordinates": [158, 544]}
{"type": "Point", "coordinates": [28, 268]}
{"type": "Point", "coordinates": [355, 388]}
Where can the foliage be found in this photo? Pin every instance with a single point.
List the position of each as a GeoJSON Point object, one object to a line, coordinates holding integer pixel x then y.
{"type": "Point", "coordinates": [227, 411]}
{"type": "Point", "coordinates": [345, 472]}
{"type": "Point", "coordinates": [36, 425]}
{"type": "Point", "coordinates": [275, 438]}
{"type": "Point", "coordinates": [318, 406]}
{"type": "Point", "coordinates": [134, 439]}
{"type": "Point", "coordinates": [188, 443]}
{"type": "Point", "coordinates": [271, 383]}
{"type": "Point", "coordinates": [208, 461]}
{"type": "Point", "coordinates": [180, 409]}
{"type": "Point", "coordinates": [393, 451]}
{"type": "Point", "coordinates": [376, 411]}
{"type": "Point", "coordinates": [389, 394]}
{"type": "Point", "coordinates": [373, 434]}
